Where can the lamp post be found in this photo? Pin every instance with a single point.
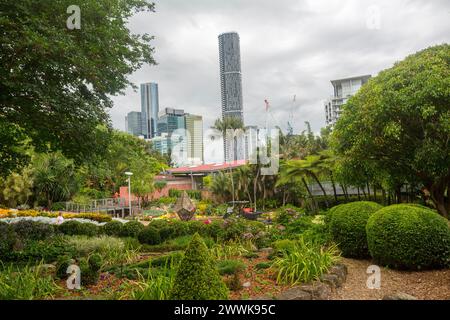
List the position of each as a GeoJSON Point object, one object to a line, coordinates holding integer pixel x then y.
{"type": "Point", "coordinates": [129, 174]}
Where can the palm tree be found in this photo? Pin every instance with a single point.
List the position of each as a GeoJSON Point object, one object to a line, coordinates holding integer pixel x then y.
{"type": "Point", "coordinates": [222, 125]}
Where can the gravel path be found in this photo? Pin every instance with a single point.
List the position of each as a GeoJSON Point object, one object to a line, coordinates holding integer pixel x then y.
{"type": "Point", "coordinates": [429, 285]}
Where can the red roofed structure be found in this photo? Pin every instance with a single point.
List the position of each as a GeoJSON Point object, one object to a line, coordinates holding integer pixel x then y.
{"type": "Point", "coordinates": [205, 169]}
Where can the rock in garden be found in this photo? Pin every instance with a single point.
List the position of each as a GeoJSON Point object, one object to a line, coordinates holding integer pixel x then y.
{"type": "Point", "coordinates": [295, 293]}
{"type": "Point", "coordinates": [340, 270]}
{"type": "Point", "coordinates": [246, 284]}
{"type": "Point", "coordinates": [247, 236]}
{"type": "Point", "coordinates": [399, 296]}
{"type": "Point", "coordinates": [333, 280]}
{"type": "Point", "coordinates": [318, 290]}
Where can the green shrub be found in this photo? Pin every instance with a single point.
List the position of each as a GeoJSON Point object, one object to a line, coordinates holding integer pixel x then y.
{"type": "Point", "coordinates": [131, 229]}
{"type": "Point", "coordinates": [197, 277]}
{"type": "Point", "coordinates": [33, 230]}
{"type": "Point", "coordinates": [90, 269]}
{"type": "Point", "coordinates": [318, 233]}
{"type": "Point", "coordinates": [8, 239]}
{"type": "Point", "coordinates": [409, 237]}
{"type": "Point", "coordinates": [284, 245]}
{"type": "Point", "coordinates": [149, 235]}
{"type": "Point", "coordinates": [62, 264]}
{"type": "Point", "coordinates": [198, 227]}
{"type": "Point", "coordinates": [232, 229]}
{"type": "Point", "coordinates": [306, 262]}
{"type": "Point", "coordinates": [174, 193]}
{"type": "Point", "coordinates": [113, 228]}
{"type": "Point", "coordinates": [230, 266]}
{"type": "Point", "coordinates": [298, 226]}
{"type": "Point", "coordinates": [348, 227]}
{"type": "Point", "coordinates": [44, 250]}
{"type": "Point", "coordinates": [78, 228]}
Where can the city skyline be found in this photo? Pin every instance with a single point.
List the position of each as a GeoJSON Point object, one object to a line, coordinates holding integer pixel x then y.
{"type": "Point", "coordinates": [294, 49]}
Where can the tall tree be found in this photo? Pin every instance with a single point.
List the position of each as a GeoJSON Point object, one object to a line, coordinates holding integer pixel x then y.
{"type": "Point", "coordinates": [399, 124]}
{"type": "Point", "coordinates": [56, 83]}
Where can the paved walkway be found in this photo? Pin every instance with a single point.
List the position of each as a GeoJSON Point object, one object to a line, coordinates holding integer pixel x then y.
{"type": "Point", "coordinates": [423, 285]}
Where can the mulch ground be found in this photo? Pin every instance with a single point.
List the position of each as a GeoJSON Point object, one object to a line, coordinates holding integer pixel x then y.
{"type": "Point", "coordinates": [424, 285]}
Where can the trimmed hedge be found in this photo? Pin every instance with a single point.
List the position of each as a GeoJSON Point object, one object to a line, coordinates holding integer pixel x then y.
{"type": "Point", "coordinates": [197, 277]}
{"type": "Point", "coordinates": [131, 229]}
{"type": "Point", "coordinates": [72, 228]}
{"type": "Point", "coordinates": [149, 235]}
{"type": "Point", "coordinates": [32, 230]}
{"type": "Point", "coordinates": [348, 227]}
{"type": "Point", "coordinates": [113, 228]}
{"type": "Point", "coordinates": [409, 237]}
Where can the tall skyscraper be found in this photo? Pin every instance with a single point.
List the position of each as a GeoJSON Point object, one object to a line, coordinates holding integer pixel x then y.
{"type": "Point", "coordinates": [149, 109]}
{"type": "Point", "coordinates": [133, 123]}
{"type": "Point", "coordinates": [343, 90]}
{"type": "Point", "coordinates": [231, 86]}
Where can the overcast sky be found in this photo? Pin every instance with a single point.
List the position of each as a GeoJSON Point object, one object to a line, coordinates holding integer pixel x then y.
{"type": "Point", "coordinates": [288, 47]}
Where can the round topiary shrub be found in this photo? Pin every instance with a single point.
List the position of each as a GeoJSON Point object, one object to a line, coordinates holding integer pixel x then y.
{"type": "Point", "coordinates": [131, 229]}
{"type": "Point", "coordinates": [149, 235]}
{"type": "Point", "coordinates": [113, 228]}
{"type": "Point", "coordinates": [78, 228]}
{"type": "Point", "coordinates": [409, 237]}
{"type": "Point", "coordinates": [348, 227]}
{"type": "Point", "coordinates": [197, 277]}
{"type": "Point", "coordinates": [33, 230]}
{"type": "Point", "coordinates": [90, 269]}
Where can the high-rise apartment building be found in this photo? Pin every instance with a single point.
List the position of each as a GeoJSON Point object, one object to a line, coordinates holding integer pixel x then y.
{"type": "Point", "coordinates": [343, 90]}
{"type": "Point", "coordinates": [194, 128]}
{"type": "Point", "coordinates": [133, 123]}
{"type": "Point", "coordinates": [231, 88]}
{"type": "Point", "coordinates": [149, 109]}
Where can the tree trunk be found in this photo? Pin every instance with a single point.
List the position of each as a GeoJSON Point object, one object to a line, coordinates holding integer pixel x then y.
{"type": "Point", "coordinates": [437, 193]}
{"type": "Point", "coordinates": [359, 195]}
{"type": "Point", "coordinates": [314, 204]}
{"type": "Point", "coordinates": [368, 191]}
{"type": "Point", "coordinates": [334, 188]}
{"type": "Point", "coordinates": [323, 190]}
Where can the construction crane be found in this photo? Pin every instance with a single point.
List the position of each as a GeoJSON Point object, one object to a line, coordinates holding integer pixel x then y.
{"type": "Point", "coordinates": [290, 129]}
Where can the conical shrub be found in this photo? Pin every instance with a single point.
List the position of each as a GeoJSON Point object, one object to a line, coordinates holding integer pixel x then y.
{"type": "Point", "coordinates": [197, 277]}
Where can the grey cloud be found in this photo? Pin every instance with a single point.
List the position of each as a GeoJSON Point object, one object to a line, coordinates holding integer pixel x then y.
{"type": "Point", "coordinates": [287, 47]}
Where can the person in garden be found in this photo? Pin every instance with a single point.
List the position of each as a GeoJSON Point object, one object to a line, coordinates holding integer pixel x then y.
{"type": "Point", "coordinates": [60, 218]}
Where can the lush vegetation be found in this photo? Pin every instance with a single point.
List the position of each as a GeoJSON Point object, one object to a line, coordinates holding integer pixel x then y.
{"type": "Point", "coordinates": [333, 193]}
{"type": "Point", "coordinates": [197, 277]}
{"type": "Point", "coordinates": [348, 227]}
{"type": "Point", "coordinates": [410, 237]}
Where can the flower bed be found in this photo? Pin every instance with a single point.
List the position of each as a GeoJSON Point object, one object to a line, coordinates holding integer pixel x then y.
{"type": "Point", "coordinates": [98, 217]}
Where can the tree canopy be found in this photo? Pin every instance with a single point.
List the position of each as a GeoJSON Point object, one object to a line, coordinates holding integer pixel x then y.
{"type": "Point", "coordinates": [56, 83]}
{"type": "Point", "coordinates": [398, 124]}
